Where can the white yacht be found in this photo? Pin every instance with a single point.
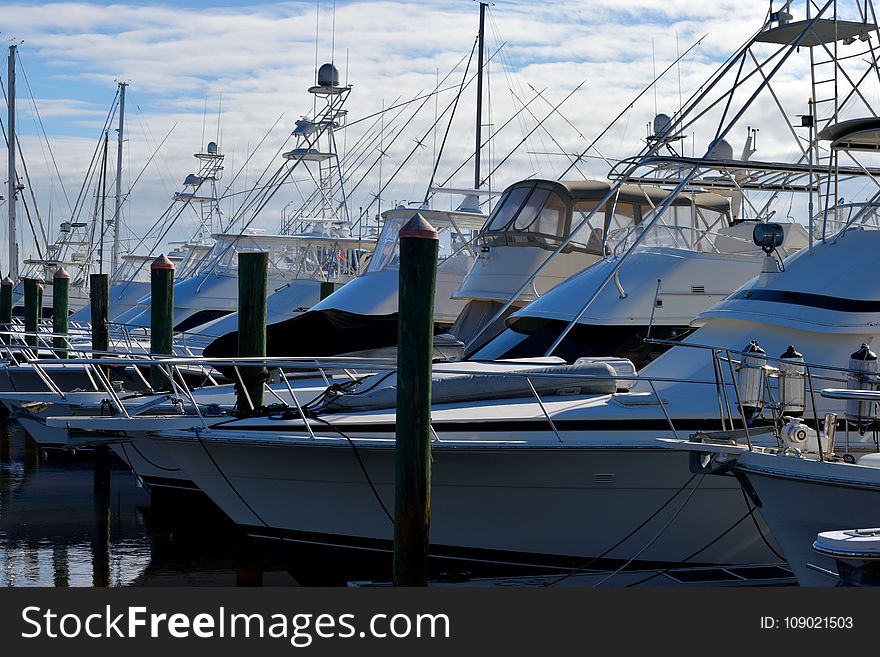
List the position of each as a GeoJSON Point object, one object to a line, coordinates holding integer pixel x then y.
{"type": "Point", "coordinates": [361, 315]}
{"type": "Point", "coordinates": [570, 474]}
{"type": "Point", "coordinates": [298, 262]}
{"type": "Point", "coordinates": [315, 245]}
{"type": "Point", "coordinates": [199, 196]}
{"type": "Point", "coordinates": [522, 226]}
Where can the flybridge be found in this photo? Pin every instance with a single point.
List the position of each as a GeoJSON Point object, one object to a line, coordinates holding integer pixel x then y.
{"type": "Point", "coordinates": [761, 175]}
{"type": "Point", "coordinates": [815, 32]}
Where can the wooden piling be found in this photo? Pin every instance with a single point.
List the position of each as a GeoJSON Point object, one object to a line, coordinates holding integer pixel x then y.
{"type": "Point", "coordinates": [32, 310]}
{"type": "Point", "coordinates": [253, 282]}
{"type": "Point", "coordinates": [161, 316]}
{"type": "Point", "coordinates": [6, 286]}
{"type": "Point", "coordinates": [101, 500]}
{"type": "Point", "coordinates": [99, 301]}
{"type": "Point", "coordinates": [415, 337]}
{"type": "Point", "coordinates": [327, 288]}
{"type": "Point", "coordinates": [60, 310]}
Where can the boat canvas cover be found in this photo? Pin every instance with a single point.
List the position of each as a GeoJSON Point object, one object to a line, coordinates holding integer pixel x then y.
{"type": "Point", "coordinates": [317, 333]}
{"type": "Point", "coordinates": [448, 388]}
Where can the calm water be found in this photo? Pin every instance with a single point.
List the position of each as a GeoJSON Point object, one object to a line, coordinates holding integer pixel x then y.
{"type": "Point", "coordinates": [61, 527]}
{"type": "Point", "coordinates": [57, 528]}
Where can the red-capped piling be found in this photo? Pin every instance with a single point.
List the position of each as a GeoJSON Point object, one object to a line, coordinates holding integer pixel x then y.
{"type": "Point", "coordinates": [161, 316]}
{"type": "Point", "coordinates": [415, 336]}
{"type": "Point", "coordinates": [32, 310]}
{"type": "Point", "coordinates": [60, 310]}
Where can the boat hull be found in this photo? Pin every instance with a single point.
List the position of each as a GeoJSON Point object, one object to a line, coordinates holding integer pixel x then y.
{"type": "Point", "coordinates": [801, 498]}
{"type": "Point", "coordinates": [542, 506]}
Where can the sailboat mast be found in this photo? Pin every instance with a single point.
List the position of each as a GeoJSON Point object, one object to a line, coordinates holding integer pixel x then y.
{"type": "Point", "coordinates": [479, 95]}
{"type": "Point", "coordinates": [13, 178]}
{"type": "Point", "coordinates": [102, 197]}
{"type": "Point", "coordinates": [117, 214]}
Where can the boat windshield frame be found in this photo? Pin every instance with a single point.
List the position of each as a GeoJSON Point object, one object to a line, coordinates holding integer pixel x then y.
{"type": "Point", "coordinates": [455, 230]}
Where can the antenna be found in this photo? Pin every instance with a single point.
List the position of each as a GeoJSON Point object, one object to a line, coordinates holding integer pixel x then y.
{"type": "Point", "coordinates": [480, 39]}
{"type": "Point", "coordinates": [204, 120]}
{"type": "Point", "coordinates": [12, 191]}
{"type": "Point", "coordinates": [317, 26]}
{"type": "Point", "coordinates": [333, 35]}
{"type": "Point", "coordinates": [654, 68]}
{"type": "Point", "coordinates": [678, 59]}
{"type": "Point", "coordinates": [117, 214]}
{"type": "Point", "coordinates": [219, 108]}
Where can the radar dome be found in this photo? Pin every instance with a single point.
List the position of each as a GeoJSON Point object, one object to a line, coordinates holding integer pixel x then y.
{"type": "Point", "coordinates": [328, 76]}
{"type": "Point", "coordinates": [720, 150]}
{"type": "Point", "coordinates": [662, 122]}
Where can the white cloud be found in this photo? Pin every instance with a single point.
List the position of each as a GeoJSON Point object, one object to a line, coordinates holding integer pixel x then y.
{"type": "Point", "coordinates": [261, 58]}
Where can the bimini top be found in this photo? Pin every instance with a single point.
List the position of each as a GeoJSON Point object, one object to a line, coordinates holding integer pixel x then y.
{"type": "Point", "coordinates": [597, 189]}
{"type": "Point", "coordinates": [854, 134]}
{"type": "Point", "coordinates": [544, 212]}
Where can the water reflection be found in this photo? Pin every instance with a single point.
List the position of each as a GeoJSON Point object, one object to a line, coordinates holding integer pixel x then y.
{"type": "Point", "coordinates": [81, 519]}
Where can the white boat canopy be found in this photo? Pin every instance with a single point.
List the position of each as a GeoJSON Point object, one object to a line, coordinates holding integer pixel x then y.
{"type": "Point", "coordinates": [854, 134]}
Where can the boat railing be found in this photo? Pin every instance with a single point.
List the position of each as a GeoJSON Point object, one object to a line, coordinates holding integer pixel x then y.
{"type": "Point", "coordinates": [735, 412]}
{"type": "Point", "coordinates": [335, 370]}
{"type": "Point", "coordinates": [844, 216]}
{"type": "Point", "coordinates": [769, 406]}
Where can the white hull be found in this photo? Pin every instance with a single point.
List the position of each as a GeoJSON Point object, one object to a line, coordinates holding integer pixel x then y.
{"type": "Point", "coordinates": [24, 378]}
{"type": "Point", "coordinates": [530, 504]}
{"type": "Point", "coordinates": [802, 498]}
{"type": "Point", "coordinates": [43, 435]}
{"type": "Point", "coordinates": [152, 466]}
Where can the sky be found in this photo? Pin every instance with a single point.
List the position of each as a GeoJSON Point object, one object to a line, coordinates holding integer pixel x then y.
{"type": "Point", "coordinates": [238, 73]}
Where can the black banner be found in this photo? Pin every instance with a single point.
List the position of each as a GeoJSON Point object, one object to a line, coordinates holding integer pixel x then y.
{"type": "Point", "coordinates": [518, 621]}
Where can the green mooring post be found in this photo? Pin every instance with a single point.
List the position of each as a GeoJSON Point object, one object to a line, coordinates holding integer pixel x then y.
{"type": "Point", "coordinates": [327, 288]}
{"type": "Point", "coordinates": [415, 338]}
{"type": "Point", "coordinates": [31, 310]}
{"type": "Point", "coordinates": [6, 286]}
{"type": "Point", "coordinates": [60, 310]}
{"type": "Point", "coordinates": [253, 283]}
{"type": "Point", "coordinates": [161, 316]}
{"type": "Point", "coordinates": [99, 301]}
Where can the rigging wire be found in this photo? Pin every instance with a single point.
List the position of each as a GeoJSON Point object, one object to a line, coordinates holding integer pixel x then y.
{"type": "Point", "coordinates": [625, 538]}
{"type": "Point", "coordinates": [550, 135]}
{"type": "Point", "coordinates": [449, 124]}
{"type": "Point", "coordinates": [631, 104]}
{"type": "Point", "coordinates": [749, 514]}
{"type": "Point", "coordinates": [657, 535]}
{"type": "Point", "coordinates": [43, 130]}
{"type": "Point", "coordinates": [361, 464]}
{"type": "Point", "coordinates": [226, 479]}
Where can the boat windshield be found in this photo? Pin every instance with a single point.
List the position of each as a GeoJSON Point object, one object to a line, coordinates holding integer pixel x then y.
{"type": "Point", "coordinates": [681, 226]}
{"type": "Point", "coordinates": [534, 209]}
{"type": "Point", "coordinates": [538, 213]}
{"type": "Point", "coordinates": [387, 252]}
{"type": "Point", "coordinates": [293, 256]}
{"type": "Point", "coordinates": [591, 225]}
{"type": "Point", "coordinates": [531, 337]}
{"type": "Point", "coordinates": [845, 215]}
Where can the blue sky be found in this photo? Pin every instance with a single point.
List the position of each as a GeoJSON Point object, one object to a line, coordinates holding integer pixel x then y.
{"type": "Point", "coordinates": [258, 58]}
